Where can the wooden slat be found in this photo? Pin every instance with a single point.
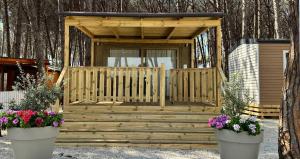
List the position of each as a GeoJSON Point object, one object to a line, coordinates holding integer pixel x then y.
{"type": "Point", "coordinates": [209, 85]}
{"type": "Point", "coordinates": [141, 84]}
{"type": "Point", "coordinates": [198, 86]}
{"type": "Point", "coordinates": [101, 84]}
{"type": "Point", "coordinates": [180, 89]}
{"type": "Point", "coordinates": [175, 85]}
{"type": "Point", "coordinates": [81, 84]}
{"type": "Point", "coordinates": [148, 84]}
{"type": "Point", "coordinates": [155, 84]}
{"type": "Point", "coordinates": [67, 89]}
{"type": "Point", "coordinates": [204, 85]}
{"type": "Point", "coordinates": [134, 85]}
{"type": "Point", "coordinates": [171, 84]}
{"type": "Point", "coordinates": [162, 85]}
{"type": "Point", "coordinates": [108, 85]}
{"type": "Point", "coordinates": [127, 85]}
{"type": "Point", "coordinates": [114, 84]}
{"type": "Point", "coordinates": [88, 85]}
{"type": "Point", "coordinates": [73, 85]}
{"type": "Point", "coordinates": [120, 85]}
{"type": "Point", "coordinates": [192, 88]}
{"type": "Point", "coordinates": [94, 84]}
{"type": "Point", "coordinates": [185, 85]}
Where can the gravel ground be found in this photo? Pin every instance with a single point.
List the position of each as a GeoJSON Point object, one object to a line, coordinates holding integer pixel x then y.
{"type": "Point", "coordinates": [268, 150]}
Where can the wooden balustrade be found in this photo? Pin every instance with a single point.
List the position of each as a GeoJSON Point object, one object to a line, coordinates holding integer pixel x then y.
{"type": "Point", "coordinates": [116, 84]}
{"type": "Point", "coordinates": [193, 85]}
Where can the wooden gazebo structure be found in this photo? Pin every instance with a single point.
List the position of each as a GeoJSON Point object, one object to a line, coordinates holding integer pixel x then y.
{"type": "Point", "coordinates": [142, 87]}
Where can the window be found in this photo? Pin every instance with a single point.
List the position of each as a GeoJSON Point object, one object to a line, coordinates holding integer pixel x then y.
{"type": "Point", "coordinates": [285, 59]}
{"type": "Point", "coordinates": [124, 58]}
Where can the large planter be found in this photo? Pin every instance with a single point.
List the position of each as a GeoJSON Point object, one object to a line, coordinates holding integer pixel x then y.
{"type": "Point", "coordinates": [234, 145]}
{"type": "Point", "coordinates": [33, 143]}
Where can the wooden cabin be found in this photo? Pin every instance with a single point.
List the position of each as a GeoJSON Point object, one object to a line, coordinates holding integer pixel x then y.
{"type": "Point", "coordinates": [142, 87]}
{"type": "Point", "coordinates": [9, 71]}
{"type": "Point", "coordinates": [261, 63]}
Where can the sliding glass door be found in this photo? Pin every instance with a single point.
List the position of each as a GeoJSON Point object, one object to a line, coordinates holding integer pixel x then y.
{"type": "Point", "coordinates": [156, 57]}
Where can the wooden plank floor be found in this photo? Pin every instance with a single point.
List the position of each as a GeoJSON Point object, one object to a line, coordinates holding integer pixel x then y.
{"type": "Point", "coordinates": [175, 126]}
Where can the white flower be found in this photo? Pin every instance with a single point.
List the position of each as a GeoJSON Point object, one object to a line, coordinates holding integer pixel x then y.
{"type": "Point", "coordinates": [252, 127]}
{"type": "Point", "coordinates": [228, 121]}
{"type": "Point", "coordinates": [242, 120]}
{"type": "Point", "coordinates": [252, 118]}
{"type": "Point", "coordinates": [236, 127]}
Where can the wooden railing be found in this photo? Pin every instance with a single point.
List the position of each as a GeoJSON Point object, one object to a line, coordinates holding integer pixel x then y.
{"type": "Point", "coordinates": [193, 85]}
{"type": "Point", "coordinates": [118, 84]}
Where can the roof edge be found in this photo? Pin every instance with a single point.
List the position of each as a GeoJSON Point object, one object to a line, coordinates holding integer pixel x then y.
{"type": "Point", "coordinates": [142, 14]}
{"type": "Point", "coordinates": [259, 41]}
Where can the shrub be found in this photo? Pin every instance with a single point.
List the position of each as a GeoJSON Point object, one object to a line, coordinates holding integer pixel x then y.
{"type": "Point", "coordinates": [38, 93]}
{"type": "Point", "coordinates": [235, 97]}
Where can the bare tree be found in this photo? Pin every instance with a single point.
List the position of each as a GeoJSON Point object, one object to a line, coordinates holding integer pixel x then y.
{"type": "Point", "coordinates": [289, 128]}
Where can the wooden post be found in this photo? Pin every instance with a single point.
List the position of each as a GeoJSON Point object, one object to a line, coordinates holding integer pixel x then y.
{"type": "Point", "coordinates": [66, 63]}
{"type": "Point", "coordinates": [1, 78]}
{"type": "Point", "coordinates": [162, 85]}
{"type": "Point", "coordinates": [193, 54]}
{"type": "Point", "coordinates": [219, 57]}
{"type": "Point", "coordinates": [92, 52]}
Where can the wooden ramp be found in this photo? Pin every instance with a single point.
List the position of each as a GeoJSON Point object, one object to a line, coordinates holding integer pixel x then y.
{"type": "Point", "coordinates": [263, 110]}
{"type": "Point", "coordinates": [183, 127]}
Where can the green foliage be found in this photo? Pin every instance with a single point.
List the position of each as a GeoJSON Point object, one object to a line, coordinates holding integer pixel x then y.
{"type": "Point", "coordinates": [235, 97]}
{"type": "Point", "coordinates": [38, 94]}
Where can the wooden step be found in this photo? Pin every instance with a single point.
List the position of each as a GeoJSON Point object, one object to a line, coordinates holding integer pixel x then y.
{"type": "Point", "coordinates": [146, 145]}
{"type": "Point", "coordinates": [134, 141]}
{"type": "Point", "coordinates": [138, 136]}
{"type": "Point", "coordinates": [141, 109]}
{"type": "Point", "coordinates": [87, 117]}
{"type": "Point", "coordinates": [136, 126]}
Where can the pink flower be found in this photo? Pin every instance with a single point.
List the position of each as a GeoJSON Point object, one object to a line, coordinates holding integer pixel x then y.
{"type": "Point", "coordinates": [219, 125]}
{"type": "Point", "coordinates": [39, 121]}
{"type": "Point", "coordinates": [16, 121]}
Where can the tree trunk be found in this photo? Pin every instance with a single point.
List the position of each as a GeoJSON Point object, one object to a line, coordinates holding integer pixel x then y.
{"type": "Point", "coordinates": [18, 33]}
{"type": "Point", "coordinates": [276, 36]}
{"type": "Point", "coordinates": [8, 53]}
{"type": "Point", "coordinates": [289, 123]}
{"type": "Point", "coordinates": [243, 18]}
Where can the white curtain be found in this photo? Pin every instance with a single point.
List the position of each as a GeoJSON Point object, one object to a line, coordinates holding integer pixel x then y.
{"type": "Point", "coordinates": [124, 58]}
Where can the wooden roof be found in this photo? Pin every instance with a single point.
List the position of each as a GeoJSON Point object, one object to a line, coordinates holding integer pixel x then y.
{"type": "Point", "coordinates": [119, 26]}
{"type": "Point", "coordinates": [21, 61]}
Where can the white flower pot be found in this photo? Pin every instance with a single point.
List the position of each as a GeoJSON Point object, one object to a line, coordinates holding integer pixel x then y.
{"type": "Point", "coordinates": [32, 143]}
{"type": "Point", "coordinates": [234, 145]}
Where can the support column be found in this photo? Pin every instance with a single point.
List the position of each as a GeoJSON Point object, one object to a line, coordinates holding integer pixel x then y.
{"type": "Point", "coordinates": [193, 54]}
{"type": "Point", "coordinates": [92, 52]}
{"type": "Point", "coordinates": [66, 63]}
{"type": "Point", "coordinates": [218, 66]}
{"type": "Point", "coordinates": [162, 86]}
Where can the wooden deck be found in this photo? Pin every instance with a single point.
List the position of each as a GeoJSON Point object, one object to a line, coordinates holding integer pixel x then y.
{"type": "Point", "coordinates": [174, 126]}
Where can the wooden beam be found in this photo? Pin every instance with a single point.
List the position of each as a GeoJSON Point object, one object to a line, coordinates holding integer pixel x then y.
{"type": "Point", "coordinates": [154, 41]}
{"type": "Point", "coordinates": [171, 33]}
{"type": "Point", "coordinates": [192, 54]}
{"type": "Point", "coordinates": [115, 32]}
{"type": "Point", "coordinates": [198, 32]}
{"type": "Point", "coordinates": [94, 21]}
{"type": "Point", "coordinates": [142, 32]}
{"type": "Point", "coordinates": [92, 52]}
{"type": "Point", "coordinates": [85, 31]}
{"type": "Point", "coordinates": [67, 46]}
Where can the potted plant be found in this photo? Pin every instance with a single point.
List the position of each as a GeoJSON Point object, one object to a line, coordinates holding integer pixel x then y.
{"type": "Point", "coordinates": [31, 126]}
{"type": "Point", "coordinates": [238, 136]}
